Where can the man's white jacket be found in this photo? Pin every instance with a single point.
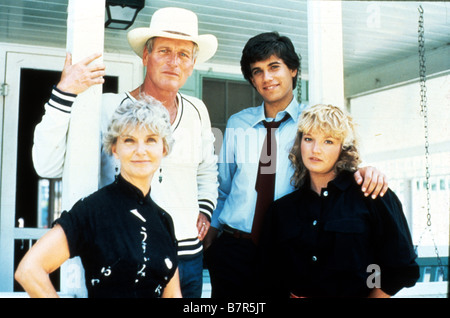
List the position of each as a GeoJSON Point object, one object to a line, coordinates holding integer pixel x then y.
{"type": "Point", "coordinates": [189, 173]}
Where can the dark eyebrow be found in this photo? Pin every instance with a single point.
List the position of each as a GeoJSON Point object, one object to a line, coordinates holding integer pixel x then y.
{"type": "Point", "coordinates": [270, 64]}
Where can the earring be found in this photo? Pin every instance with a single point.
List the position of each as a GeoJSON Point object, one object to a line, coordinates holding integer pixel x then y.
{"type": "Point", "coordinates": [160, 175]}
{"type": "Point", "coordinates": [116, 170]}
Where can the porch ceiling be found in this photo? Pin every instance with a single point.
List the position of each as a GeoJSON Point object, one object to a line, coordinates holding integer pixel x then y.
{"type": "Point", "coordinates": [374, 32]}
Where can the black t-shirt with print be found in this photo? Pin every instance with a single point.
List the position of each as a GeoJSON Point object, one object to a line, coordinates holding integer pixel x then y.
{"type": "Point", "coordinates": [125, 241]}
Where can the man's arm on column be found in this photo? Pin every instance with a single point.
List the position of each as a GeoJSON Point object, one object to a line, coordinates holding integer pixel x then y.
{"type": "Point", "coordinates": [50, 136]}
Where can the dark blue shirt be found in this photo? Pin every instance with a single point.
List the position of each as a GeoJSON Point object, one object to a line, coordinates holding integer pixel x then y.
{"type": "Point", "coordinates": [322, 245]}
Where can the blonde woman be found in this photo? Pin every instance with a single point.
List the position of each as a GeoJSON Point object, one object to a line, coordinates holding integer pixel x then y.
{"type": "Point", "coordinates": [125, 241]}
{"type": "Point", "coordinates": [326, 239]}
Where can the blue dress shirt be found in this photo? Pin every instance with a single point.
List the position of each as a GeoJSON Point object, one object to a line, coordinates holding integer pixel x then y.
{"type": "Point", "coordinates": [238, 164]}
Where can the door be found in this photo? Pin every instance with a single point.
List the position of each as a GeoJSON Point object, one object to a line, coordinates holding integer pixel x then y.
{"type": "Point", "coordinates": [28, 203]}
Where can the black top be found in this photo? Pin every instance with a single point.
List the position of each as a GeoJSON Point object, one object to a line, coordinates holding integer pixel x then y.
{"type": "Point", "coordinates": [125, 241]}
{"type": "Point", "coordinates": [322, 245]}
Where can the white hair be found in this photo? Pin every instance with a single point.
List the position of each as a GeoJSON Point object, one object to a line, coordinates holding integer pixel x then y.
{"type": "Point", "coordinates": [146, 112]}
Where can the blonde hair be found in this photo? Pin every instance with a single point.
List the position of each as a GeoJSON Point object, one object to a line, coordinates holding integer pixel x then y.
{"type": "Point", "coordinates": [146, 112]}
{"type": "Point", "coordinates": [335, 122]}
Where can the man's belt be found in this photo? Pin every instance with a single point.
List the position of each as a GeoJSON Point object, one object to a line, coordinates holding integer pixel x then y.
{"type": "Point", "coordinates": [236, 233]}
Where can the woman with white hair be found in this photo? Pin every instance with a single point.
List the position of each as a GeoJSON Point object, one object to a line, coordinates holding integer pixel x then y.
{"type": "Point", "coordinates": [327, 239]}
{"type": "Point", "coordinates": [125, 241]}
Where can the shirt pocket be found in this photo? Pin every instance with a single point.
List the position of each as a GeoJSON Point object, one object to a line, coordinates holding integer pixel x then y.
{"type": "Point", "coordinates": [346, 243]}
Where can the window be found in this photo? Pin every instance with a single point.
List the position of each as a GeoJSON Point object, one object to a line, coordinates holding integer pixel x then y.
{"type": "Point", "coordinates": [225, 97]}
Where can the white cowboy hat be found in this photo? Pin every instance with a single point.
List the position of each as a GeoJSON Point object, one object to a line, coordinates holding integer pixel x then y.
{"type": "Point", "coordinates": [174, 23]}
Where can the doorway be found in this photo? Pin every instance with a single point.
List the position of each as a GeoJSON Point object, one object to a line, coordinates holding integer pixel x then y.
{"type": "Point", "coordinates": [35, 89]}
{"type": "Point", "coordinates": [28, 203]}
{"type": "Point", "coordinates": [38, 200]}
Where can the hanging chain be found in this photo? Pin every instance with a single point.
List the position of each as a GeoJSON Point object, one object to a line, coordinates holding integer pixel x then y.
{"type": "Point", "coordinates": [299, 80]}
{"type": "Point", "coordinates": [423, 106]}
{"type": "Point", "coordinates": [424, 113]}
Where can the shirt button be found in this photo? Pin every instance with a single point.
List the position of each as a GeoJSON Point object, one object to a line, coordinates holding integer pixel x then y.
{"type": "Point", "coordinates": [314, 258]}
{"type": "Point", "coordinates": [325, 193]}
{"type": "Point", "coordinates": [314, 223]}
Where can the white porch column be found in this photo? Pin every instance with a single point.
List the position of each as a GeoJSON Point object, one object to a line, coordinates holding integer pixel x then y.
{"type": "Point", "coordinates": [85, 36]}
{"type": "Point", "coordinates": [325, 53]}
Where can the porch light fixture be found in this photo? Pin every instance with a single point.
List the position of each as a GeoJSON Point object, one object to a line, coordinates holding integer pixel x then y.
{"type": "Point", "coordinates": [120, 14]}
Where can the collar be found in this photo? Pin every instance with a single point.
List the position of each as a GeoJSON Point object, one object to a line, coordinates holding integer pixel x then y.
{"type": "Point", "coordinates": [128, 94]}
{"type": "Point", "coordinates": [131, 190]}
{"type": "Point", "coordinates": [293, 109]}
{"type": "Point", "coordinates": [342, 182]}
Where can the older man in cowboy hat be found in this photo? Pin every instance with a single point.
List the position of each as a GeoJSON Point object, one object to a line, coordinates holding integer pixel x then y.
{"type": "Point", "coordinates": [187, 183]}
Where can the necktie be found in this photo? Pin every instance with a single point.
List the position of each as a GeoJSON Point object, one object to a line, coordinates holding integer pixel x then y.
{"type": "Point", "coordinates": [265, 181]}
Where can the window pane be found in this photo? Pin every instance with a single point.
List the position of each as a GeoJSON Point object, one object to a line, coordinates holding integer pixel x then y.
{"type": "Point", "coordinates": [240, 96]}
{"type": "Point", "coordinates": [214, 98]}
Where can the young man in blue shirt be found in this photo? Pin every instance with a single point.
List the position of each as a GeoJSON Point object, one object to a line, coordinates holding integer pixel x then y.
{"type": "Point", "coordinates": [269, 62]}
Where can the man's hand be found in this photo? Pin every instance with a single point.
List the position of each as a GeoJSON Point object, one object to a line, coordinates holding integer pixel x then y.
{"type": "Point", "coordinates": [373, 181]}
{"type": "Point", "coordinates": [77, 78]}
{"type": "Point", "coordinates": [210, 237]}
{"type": "Point", "coordinates": [202, 226]}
